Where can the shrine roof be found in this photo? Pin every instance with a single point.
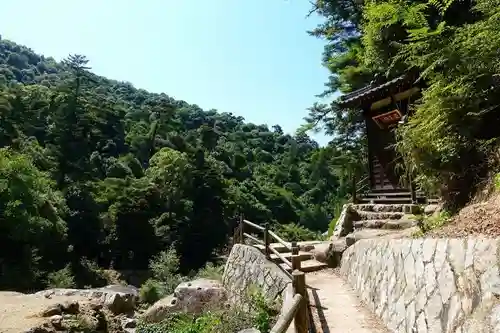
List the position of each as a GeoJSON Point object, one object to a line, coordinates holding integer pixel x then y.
{"type": "Point", "coordinates": [376, 91]}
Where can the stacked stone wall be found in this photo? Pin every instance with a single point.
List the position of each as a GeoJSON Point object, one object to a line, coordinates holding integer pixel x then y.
{"type": "Point", "coordinates": [246, 268]}
{"type": "Point", "coordinates": [428, 285]}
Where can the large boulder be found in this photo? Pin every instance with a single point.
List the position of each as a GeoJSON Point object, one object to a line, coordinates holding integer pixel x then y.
{"type": "Point", "coordinates": [321, 251]}
{"type": "Point", "coordinates": [344, 225]}
{"type": "Point", "coordinates": [118, 299]}
{"type": "Point", "coordinates": [189, 297]}
{"type": "Point", "coordinates": [330, 252]}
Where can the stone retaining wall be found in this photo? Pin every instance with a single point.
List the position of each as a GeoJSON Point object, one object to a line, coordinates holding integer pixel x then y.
{"type": "Point", "coordinates": [247, 267]}
{"type": "Point", "coordinates": [428, 285]}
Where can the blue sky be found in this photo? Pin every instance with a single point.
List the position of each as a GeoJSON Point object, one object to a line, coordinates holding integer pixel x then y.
{"type": "Point", "coordinates": [249, 57]}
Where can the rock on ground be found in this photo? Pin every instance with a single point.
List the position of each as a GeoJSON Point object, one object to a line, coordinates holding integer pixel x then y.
{"type": "Point", "coordinates": [189, 297]}
{"type": "Point", "coordinates": [322, 251]}
{"type": "Point", "coordinates": [56, 309]}
{"type": "Point", "coordinates": [118, 299]}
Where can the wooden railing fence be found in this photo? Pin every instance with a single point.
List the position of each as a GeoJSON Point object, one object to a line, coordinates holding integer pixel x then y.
{"type": "Point", "coordinates": [298, 310]}
{"type": "Point", "coordinates": [358, 187]}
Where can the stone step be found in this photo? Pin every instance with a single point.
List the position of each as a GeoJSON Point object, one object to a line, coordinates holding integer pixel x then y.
{"type": "Point", "coordinates": [307, 266]}
{"type": "Point", "coordinates": [394, 190]}
{"type": "Point", "coordinates": [288, 255]}
{"type": "Point", "coordinates": [386, 200]}
{"type": "Point", "coordinates": [385, 224]}
{"type": "Point", "coordinates": [381, 208]}
{"type": "Point", "coordinates": [362, 215]}
{"type": "Point", "coordinates": [361, 234]}
{"type": "Point", "coordinates": [387, 194]}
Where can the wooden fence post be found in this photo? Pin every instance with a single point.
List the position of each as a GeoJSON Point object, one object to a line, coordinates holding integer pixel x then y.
{"type": "Point", "coordinates": [296, 263]}
{"type": "Point", "coordinates": [295, 257]}
{"type": "Point", "coordinates": [299, 287]}
{"type": "Point", "coordinates": [267, 251]}
{"type": "Point", "coordinates": [242, 240]}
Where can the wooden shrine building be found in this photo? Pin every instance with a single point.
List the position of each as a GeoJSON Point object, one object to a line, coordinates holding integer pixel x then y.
{"type": "Point", "coordinates": [384, 106]}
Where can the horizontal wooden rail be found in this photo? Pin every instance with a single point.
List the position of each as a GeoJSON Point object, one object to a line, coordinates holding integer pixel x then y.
{"type": "Point", "coordinates": [279, 255]}
{"type": "Point", "coordinates": [362, 182]}
{"type": "Point", "coordinates": [280, 240]}
{"type": "Point", "coordinates": [255, 239]}
{"type": "Point", "coordinates": [287, 317]}
{"type": "Point", "coordinates": [256, 226]}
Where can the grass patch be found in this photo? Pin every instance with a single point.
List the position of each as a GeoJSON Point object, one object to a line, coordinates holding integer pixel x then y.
{"type": "Point", "coordinates": [430, 223]}
{"type": "Point", "coordinates": [211, 272]}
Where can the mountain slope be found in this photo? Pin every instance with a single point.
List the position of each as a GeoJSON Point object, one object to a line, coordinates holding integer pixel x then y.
{"type": "Point", "coordinates": [131, 173]}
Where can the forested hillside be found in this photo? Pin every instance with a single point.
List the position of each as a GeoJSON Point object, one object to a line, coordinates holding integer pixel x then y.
{"type": "Point", "coordinates": [450, 142]}
{"type": "Point", "coordinates": [96, 171]}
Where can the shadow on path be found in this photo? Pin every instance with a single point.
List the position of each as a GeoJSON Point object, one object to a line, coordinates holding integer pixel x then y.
{"type": "Point", "coordinates": [315, 305]}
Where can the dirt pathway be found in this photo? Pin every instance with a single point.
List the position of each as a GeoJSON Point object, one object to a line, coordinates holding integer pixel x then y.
{"type": "Point", "coordinates": [19, 313]}
{"type": "Point", "coordinates": [336, 308]}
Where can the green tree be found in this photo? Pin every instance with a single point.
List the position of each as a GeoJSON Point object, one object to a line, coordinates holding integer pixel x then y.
{"type": "Point", "coordinates": [32, 225]}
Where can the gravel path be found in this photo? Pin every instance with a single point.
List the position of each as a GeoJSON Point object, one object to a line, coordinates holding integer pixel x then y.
{"type": "Point", "coordinates": [336, 308]}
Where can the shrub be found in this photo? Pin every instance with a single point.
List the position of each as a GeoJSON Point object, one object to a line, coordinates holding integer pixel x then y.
{"type": "Point", "coordinates": [151, 291]}
{"type": "Point", "coordinates": [295, 233]}
{"type": "Point", "coordinates": [264, 311]}
{"type": "Point", "coordinates": [165, 267]}
{"type": "Point", "coordinates": [62, 278]}
{"type": "Point", "coordinates": [183, 323]}
{"type": "Point", "coordinates": [211, 271]}
{"type": "Point", "coordinates": [260, 314]}
{"type": "Point", "coordinates": [432, 222]}
{"type": "Point", "coordinates": [89, 274]}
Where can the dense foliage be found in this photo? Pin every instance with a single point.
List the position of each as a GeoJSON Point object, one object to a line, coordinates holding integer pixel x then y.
{"type": "Point", "coordinates": [455, 46]}
{"type": "Point", "coordinates": [96, 169]}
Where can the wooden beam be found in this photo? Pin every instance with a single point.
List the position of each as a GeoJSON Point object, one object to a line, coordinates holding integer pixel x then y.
{"type": "Point", "coordinates": [280, 240]}
{"type": "Point", "coordinates": [256, 226]}
{"type": "Point", "coordinates": [286, 318]}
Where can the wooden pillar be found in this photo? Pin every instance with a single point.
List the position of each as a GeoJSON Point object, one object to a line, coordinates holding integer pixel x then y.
{"type": "Point", "coordinates": [368, 124]}
{"type": "Point", "coordinates": [299, 287]}
{"type": "Point", "coordinates": [242, 240]}
{"type": "Point", "coordinates": [296, 263]}
{"type": "Point", "coordinates": [267, 252]}
{"type": "Point", "coordinates": [295, 257]}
